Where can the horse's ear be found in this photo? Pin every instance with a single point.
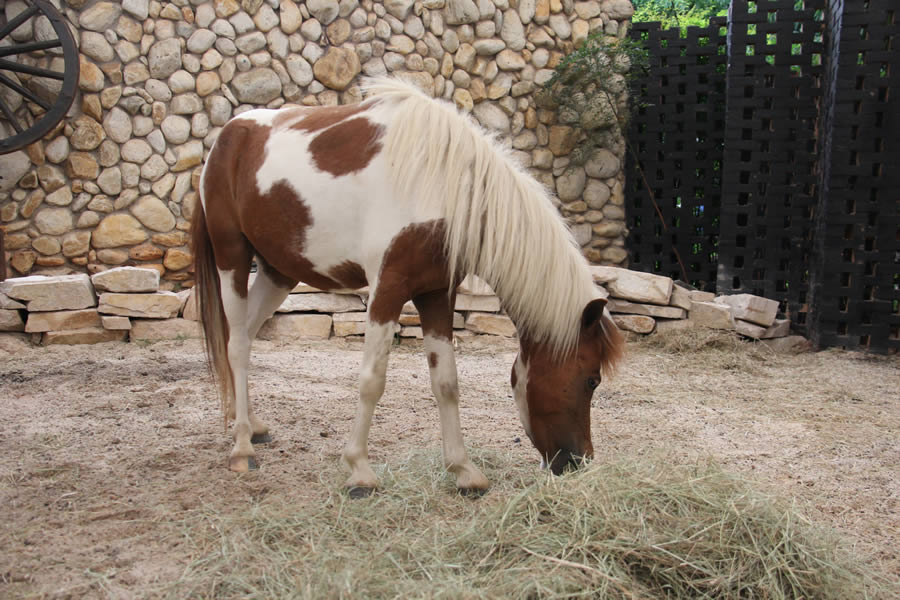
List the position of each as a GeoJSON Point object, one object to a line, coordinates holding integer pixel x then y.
{"type": "Point", "coordinates": [592, 313]}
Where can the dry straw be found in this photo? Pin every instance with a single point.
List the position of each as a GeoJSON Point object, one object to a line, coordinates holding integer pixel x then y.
{"type": "Point", "coordinates": [630, 530]}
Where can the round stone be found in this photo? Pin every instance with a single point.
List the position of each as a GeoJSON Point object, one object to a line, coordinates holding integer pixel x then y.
{"type": "Point", "coordinates": [88, 134]}
{"type": "Point", "coordinates": [117, 125]}
{"type": "Point", "coordinates": [181, 81]}
{"type": "Point", "coordinates": [176, 129]}
{"type": "Point", "coordinates": [136, 151]}
{"type": "Point", "coordinates": [164, 58]}
{"type": "Point", "coordinates": [153, 213]}
{"type": "Point", "coordinates": [201, 41]}
{"type": "Point", "coordinates": [53, 221]}
{"type": "Point", "coordinates": [337, 68]}
{"type": "Point", "coordinates": [118, 230]}
{"type": "Point", "coordinates": [257, 86]}
{"type": "Point", "coordinates": [570, 184]}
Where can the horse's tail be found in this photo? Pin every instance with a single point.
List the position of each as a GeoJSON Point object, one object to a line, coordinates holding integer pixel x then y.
{"type": "Point", "coordinates": [212, 313]}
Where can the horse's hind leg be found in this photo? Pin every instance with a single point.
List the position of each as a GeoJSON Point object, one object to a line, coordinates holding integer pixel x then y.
{"type": "Point", "coordinates": [268, 291]}
{"type": "Point", "coordinates": [242, 457]}
{"type": "Point", "coordinates": [436, 314]}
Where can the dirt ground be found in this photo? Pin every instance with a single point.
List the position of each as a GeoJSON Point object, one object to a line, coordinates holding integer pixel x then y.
{"type": "Point", "coordinates": [106, 446]}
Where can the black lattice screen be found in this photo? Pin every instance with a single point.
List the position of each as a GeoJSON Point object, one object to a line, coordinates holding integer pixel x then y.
{"type": "Point", "coordinates": [858, 276]}
{"type": "Point", "coordinates": [677, 135]}
{"type": "Point", "coordinates": [791, 190]}
{"type": "Point", "coordinates": [769, 180]}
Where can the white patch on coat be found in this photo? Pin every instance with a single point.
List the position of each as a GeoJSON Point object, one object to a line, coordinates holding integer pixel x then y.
{"type": "Point", "coordinates": [520, 392]}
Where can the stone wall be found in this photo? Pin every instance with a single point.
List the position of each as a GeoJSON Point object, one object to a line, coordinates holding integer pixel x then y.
{"type": "Point", "coordinates": [115, 183]}
{"type": "Point", "coordinates": [125, 303]}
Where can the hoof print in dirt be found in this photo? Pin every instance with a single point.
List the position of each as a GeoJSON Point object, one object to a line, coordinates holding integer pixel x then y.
{"type": "Point", "coordinates": [260, 438]}
{"type": "Point", "coordinates": [472, 492]}
{"type": "Point", "coordinates": [357, 492]}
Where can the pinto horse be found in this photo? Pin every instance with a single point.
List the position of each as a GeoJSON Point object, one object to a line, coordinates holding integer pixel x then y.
{"type": "Point", "coordinates": [406, 195]}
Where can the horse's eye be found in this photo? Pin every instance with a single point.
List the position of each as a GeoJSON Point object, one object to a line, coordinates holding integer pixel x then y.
{"type": "Point", "coordinates": [593, 382]}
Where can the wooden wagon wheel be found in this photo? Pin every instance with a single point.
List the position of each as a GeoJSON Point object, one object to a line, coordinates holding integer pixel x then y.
{"type": "Point", "coordinates": [38, 77]}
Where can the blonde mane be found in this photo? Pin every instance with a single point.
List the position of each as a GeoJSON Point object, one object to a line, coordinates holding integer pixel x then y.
{"type": "Point", "coordinates": [500, 222]}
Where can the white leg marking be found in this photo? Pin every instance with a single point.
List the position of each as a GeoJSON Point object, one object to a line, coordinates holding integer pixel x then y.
{"type": "Point", "coordinates": [239, 359]}
{"type": "Point", "coordinates": [520, 392]}
{"type": "Point", "coordinates": [262, 300]}
{"type": "Point", "coordinates": [442, 366]}
{"type": "Point", "coordinates": [371, 386]}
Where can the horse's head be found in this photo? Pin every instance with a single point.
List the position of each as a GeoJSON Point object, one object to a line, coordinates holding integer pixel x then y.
{"type": "Point", "coordinates": [554, 395]}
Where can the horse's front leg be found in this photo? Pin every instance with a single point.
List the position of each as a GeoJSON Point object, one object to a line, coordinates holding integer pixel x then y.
{"type": "Point", "coordinates": [436, 314]}
{"type": "Point", "coordinates": [379, 336]}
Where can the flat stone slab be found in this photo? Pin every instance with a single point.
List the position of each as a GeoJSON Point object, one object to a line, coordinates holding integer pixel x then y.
{"type": "Point", "coordinates": [11, 320]}
{"type": "Point", "coordinates": [680, 297]}
{"type": "Point", "coordinates": [636, 323]}
{"type": "Point", "coordinates": [322, 303]}
{"type": "Point", "coordinates": [698, 296]}
{"type": "Point", "coordinates": [474, 286]}
{"type": "Point", "coordinates": [296, 327]}
{"type": "Point", "coordinates": [780, 328]}
{"type": "Point", "coordinates": [651, 310]}
{"type": "Point", "coordinates": [63, 320]}
{"type": "Point", "coordinates": [665, 325]}
{"type": "Point", "coordinates": [190, 310]}
{"type": "Point", "coordinates": [352, 323]}
{"type": "Point", "coordinates": [115, 323]}
{"type": "Point", "coordinates": [466, 302]}
{"type": "Point", "coordinates": [43, 293]}
{"type": "Point", "coordinates": [712, 315]}
{"type": "Point", "coordinates": [748, 307]}
{"type": "Point", "coordinates": [165, 329]}
{"type": "Point", "coordinates": [491, 324]}
{"type": "Point", "coordinates": [88, 335]}
{"type": "Point", "coordinates": [7, 303]}
{"type": "Point", "coordinates": [158, 305]}
{"type": "Point", "coordinates": [412, 332]}
{"type": "Point", "coordinates": [634, 285]}
{"type": "Point", "coordinates": [126, 279]}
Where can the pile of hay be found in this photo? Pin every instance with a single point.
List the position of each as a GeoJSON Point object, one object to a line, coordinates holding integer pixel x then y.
{"type": "Point", "coordinates": [630, 530]}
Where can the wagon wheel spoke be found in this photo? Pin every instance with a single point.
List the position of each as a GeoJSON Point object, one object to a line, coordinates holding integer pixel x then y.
{"type": "Point", "coordinates": [31, 77]}
{"type": "Point", "coordinates": [8, 113]}
{"type": "Point", "coordinates": [21, 18]}
{"type": "Point", "coordinates": [29, 47]}
{"type": "Point", "coordinates": [25, 93]}
{"type": "Point", "coordinates": [8, 65]}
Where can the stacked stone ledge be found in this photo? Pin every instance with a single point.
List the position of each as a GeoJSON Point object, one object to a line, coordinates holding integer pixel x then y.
{"type": "Point", "coordinates": [126, 303]}
{"type": "Point", "coordinates": [116, 182]}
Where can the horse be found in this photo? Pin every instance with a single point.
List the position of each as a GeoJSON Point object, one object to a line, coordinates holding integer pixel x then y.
{"type": "Point", "coordinates": [406, 195]}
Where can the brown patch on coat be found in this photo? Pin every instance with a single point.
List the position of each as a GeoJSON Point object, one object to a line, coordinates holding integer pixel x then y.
{"type": "Point", "coordinates": [322, 117]}
{"type": "Point", "coordinates": [290, 116]}
{"type": "Point", "coordinates": [347, 147]}
{"type": "Point", "coordinates": [415, 268]}
{"type": "Point", "coordinates": [432, 359]}
{"type": "Point", "coordinates": [350, 274]}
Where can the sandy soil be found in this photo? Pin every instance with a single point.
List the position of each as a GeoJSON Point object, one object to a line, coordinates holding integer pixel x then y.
{"type": "Point", "coordinates": [105, 446]}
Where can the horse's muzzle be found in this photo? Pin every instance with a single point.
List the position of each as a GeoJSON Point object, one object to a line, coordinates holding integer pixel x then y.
{"type": "Point", "coordinates": [566, 461]}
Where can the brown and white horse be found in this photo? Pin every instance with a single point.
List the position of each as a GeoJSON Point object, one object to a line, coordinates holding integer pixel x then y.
{"type": "Point", "coordinates": [404, 194]}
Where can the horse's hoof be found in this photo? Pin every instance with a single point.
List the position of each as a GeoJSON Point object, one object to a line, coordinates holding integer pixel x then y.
{"type": "Point", "coordinates": [260, 438]}
{"type": "Point", "coordinates": [243, 464]}
{"type": "Point", "coordinates": [472, 492]}
{"type": "Point", "coordinates": [357, 491]}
